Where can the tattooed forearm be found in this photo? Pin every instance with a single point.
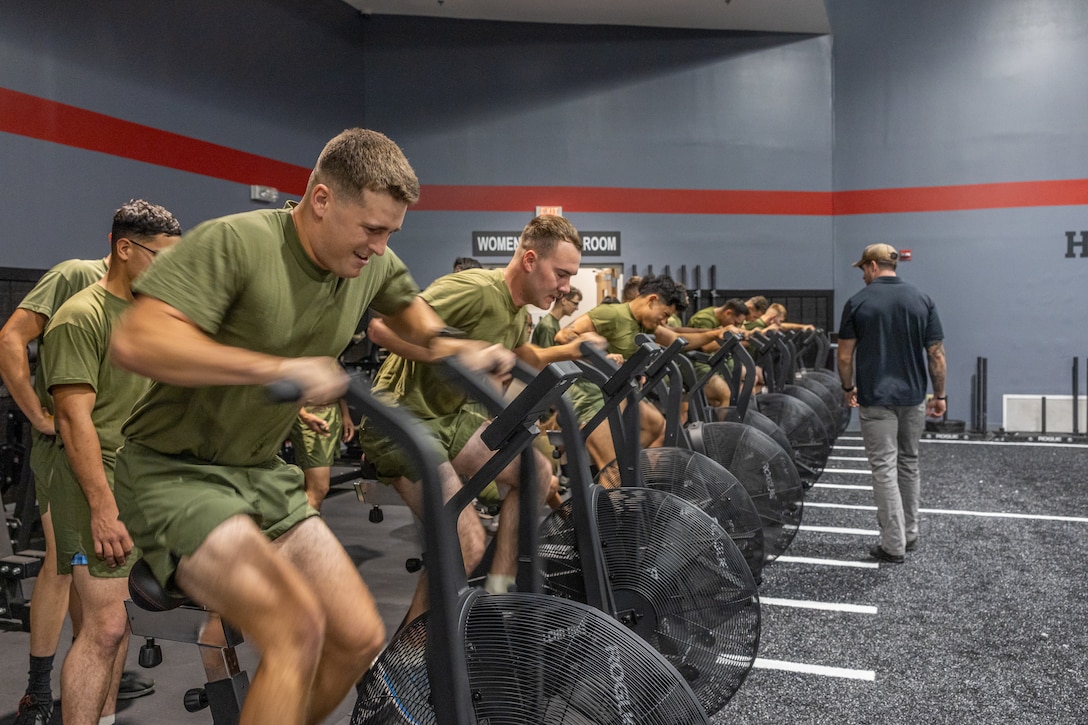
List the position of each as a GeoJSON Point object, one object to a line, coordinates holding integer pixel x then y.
{"type": "Point", "coordinates": [937, 367]}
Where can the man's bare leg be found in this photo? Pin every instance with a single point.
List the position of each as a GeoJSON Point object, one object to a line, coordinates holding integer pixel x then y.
{"type": "Point", "coordinates": [472, 458]}
{"type": "Point", "coordinates": [602, 452]}
{"type": "Point", "coordinates": [354, 633]}
{"type": "Point", "coordinates": [553, 500]}
{"type": "Point", "coordinates": [651, 426]}
{"type": "Point", "coordinates": [238, 573]}
{"type": "Point", "coordinates": [717, 392]}
{"type": "Point", "coordinates": [469, 529]}
{"type": "Point", "coordinates": [317, 481]}
{"type": "Point", "coordinates": [50, 600]}
{"type": "Point", "coordinates": [110, 706]}
{"type": "Point", "coordinates": [89, 677]}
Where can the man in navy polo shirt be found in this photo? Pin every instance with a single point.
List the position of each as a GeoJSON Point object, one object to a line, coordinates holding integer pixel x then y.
{"type": "Point", "coordinates": [891, 336]}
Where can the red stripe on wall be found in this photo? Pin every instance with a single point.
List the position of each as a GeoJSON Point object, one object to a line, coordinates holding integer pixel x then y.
{"type": "Point", "coordinates": [1071, 192]}
{"type": "Point", "coordinates": [39, 118]}
{"type": "Point", "coordinates": [60, 123]}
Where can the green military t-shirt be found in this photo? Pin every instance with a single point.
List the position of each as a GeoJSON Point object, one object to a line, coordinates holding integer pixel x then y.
{"type": "Point", "coordinates": [50, 292]}
{"type": "Point", "coordinates": [618, 326]}
{"type": "Point", "coordinates": [705, 319]}
{"type": "Point", "coordinates": [246, 281]}
{"type": "Point", "coordinates": [76, 348]}
{"type": "Point", "coordinates": [475, 301]}
{"type": "Point", "coordinates": [544, 332]}
{"type": "Point", "coordinates": [54, 289]}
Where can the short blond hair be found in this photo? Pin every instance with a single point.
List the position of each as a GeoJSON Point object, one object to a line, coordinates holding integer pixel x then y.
{"type": "Point", "coordinates": [545, 232]}
{"type": "Point", "coordinates": [358, 159]}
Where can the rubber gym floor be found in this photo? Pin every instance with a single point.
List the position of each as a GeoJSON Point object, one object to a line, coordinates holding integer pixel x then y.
{"type": "Point", "coordinates": [987, 622]}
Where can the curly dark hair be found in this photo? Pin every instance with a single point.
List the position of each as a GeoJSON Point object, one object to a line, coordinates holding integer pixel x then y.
{"type": "Point", "coordinates": [466, 263]}
{"type": "Point", "coordinates": [668, 291]}
{"type": "Point", "coordinates": [139, 218]}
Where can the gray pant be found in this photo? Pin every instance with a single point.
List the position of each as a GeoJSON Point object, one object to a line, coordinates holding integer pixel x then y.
{"type": "Point", "coordinates": [891, 435]}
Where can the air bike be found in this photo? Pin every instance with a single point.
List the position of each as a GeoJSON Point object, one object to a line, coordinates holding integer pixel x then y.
{"type": "Point", "coordinates": [814, 344]}
{"type": "Point", "coordinates": [793, 426]}
{"type": "Point", "coordinates": [674, 468]}
{"type": "Point", "coordinates": [474, 659]}
{"type": "Point", "coordinates": [648, 552]}
{"type": "Point", "coordinates": [762, 467]}
{"type": "Point", "coordinates": [516, 658]}
{"type": "Point", "coordinates": [775, 354]}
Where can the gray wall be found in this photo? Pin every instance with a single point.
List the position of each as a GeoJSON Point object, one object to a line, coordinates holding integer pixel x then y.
{"type": "Point", "coordinates": [931, 93]}
{"type": "Point", "coordinates": [226, 73]}
{"type": "Point", "coordinates": [532, 105]}
{"type": "Point", "coordinates": [909, 93]}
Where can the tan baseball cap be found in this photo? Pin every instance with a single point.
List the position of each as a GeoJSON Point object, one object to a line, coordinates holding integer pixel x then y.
{"type": "Point", "coordinates": [878, 253]}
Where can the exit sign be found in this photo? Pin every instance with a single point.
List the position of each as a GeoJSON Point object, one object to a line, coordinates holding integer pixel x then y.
{"type": "Point", "coordinates": [553, 210]}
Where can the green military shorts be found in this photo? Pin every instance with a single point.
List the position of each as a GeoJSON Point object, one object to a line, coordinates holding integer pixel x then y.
{"type": "Point", "coordinates": [701, 369]}
{"type": "Point", "coordinates": [313, 450]}
{"type": "Point", "coordinates": [71, 515]}
{"type": "Point", "coordinates": [171, 503]}
{"type": "Point", "coordinates": [587, 399]}
{"type": "Point", "coordinates": [43, 461]}
{"type": "Point", "coordinates": [451, 433]}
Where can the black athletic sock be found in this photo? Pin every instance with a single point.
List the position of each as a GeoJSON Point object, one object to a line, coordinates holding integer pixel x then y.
{"type": "Point", "coordinates": [41, 669]}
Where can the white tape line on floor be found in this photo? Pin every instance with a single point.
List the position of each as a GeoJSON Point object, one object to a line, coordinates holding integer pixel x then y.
{"type": "Point", "coordinates": [822, 670]}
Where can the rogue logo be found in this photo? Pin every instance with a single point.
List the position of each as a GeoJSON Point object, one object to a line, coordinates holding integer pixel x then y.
{"type": "Point", "coordinates": [561, 633]}
{"type": "Point", "coordinates": [1071, 242]}
{"type": "Point", "coordinates": [624, 707]}
{"type": "Point", "coordinates": [769, 479]}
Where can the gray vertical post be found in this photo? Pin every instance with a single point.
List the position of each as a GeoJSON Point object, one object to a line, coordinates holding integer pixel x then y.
{"type": "Point", "coordinates": [1042, 402]}
{"type": "Point", "coordinates": [979, 410]}
{"type": "Point", "coordinates": [1076, 395]}
{"type": "Point", "coordinates": [985, 390]}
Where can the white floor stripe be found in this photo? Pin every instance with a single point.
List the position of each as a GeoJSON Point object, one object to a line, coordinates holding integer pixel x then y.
{"type": "Point", "coordinates": [846, 458]}
{"type": "Point", "coordinates": [850, 486]}
{"type": "Point", "coordinates": [828, 562]}
{"type": "Point", "coordinates": [1003, 515]}
{"type": "Point", "coordinates": [865, 471]}
{"type": "Point", "coordinates": [824, 606]}
{"type": "Point", "coordinates": [837, 447]}
{"type": "Point", "coordinates": [837, 529]}
{"type": "Point", "coordinates": [1008, 443]}
{"type": "Point", "coordinates": [763, 664]}
{"type": "Point", "coordinates": [954, 512]}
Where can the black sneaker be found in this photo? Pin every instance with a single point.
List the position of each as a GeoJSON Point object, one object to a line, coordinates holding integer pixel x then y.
{"type": "Point", "coordinates": [33, 711]}
{"type": "Point", "coordinates": [877, 552]}
{"type": "Point", "coordinates": [912, 544]}
{"type": "Point", "coordinates": [133, 686]}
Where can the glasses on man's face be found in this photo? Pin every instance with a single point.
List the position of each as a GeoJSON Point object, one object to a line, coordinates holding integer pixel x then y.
{"type": "Point", "coordinates": [145, 248]}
